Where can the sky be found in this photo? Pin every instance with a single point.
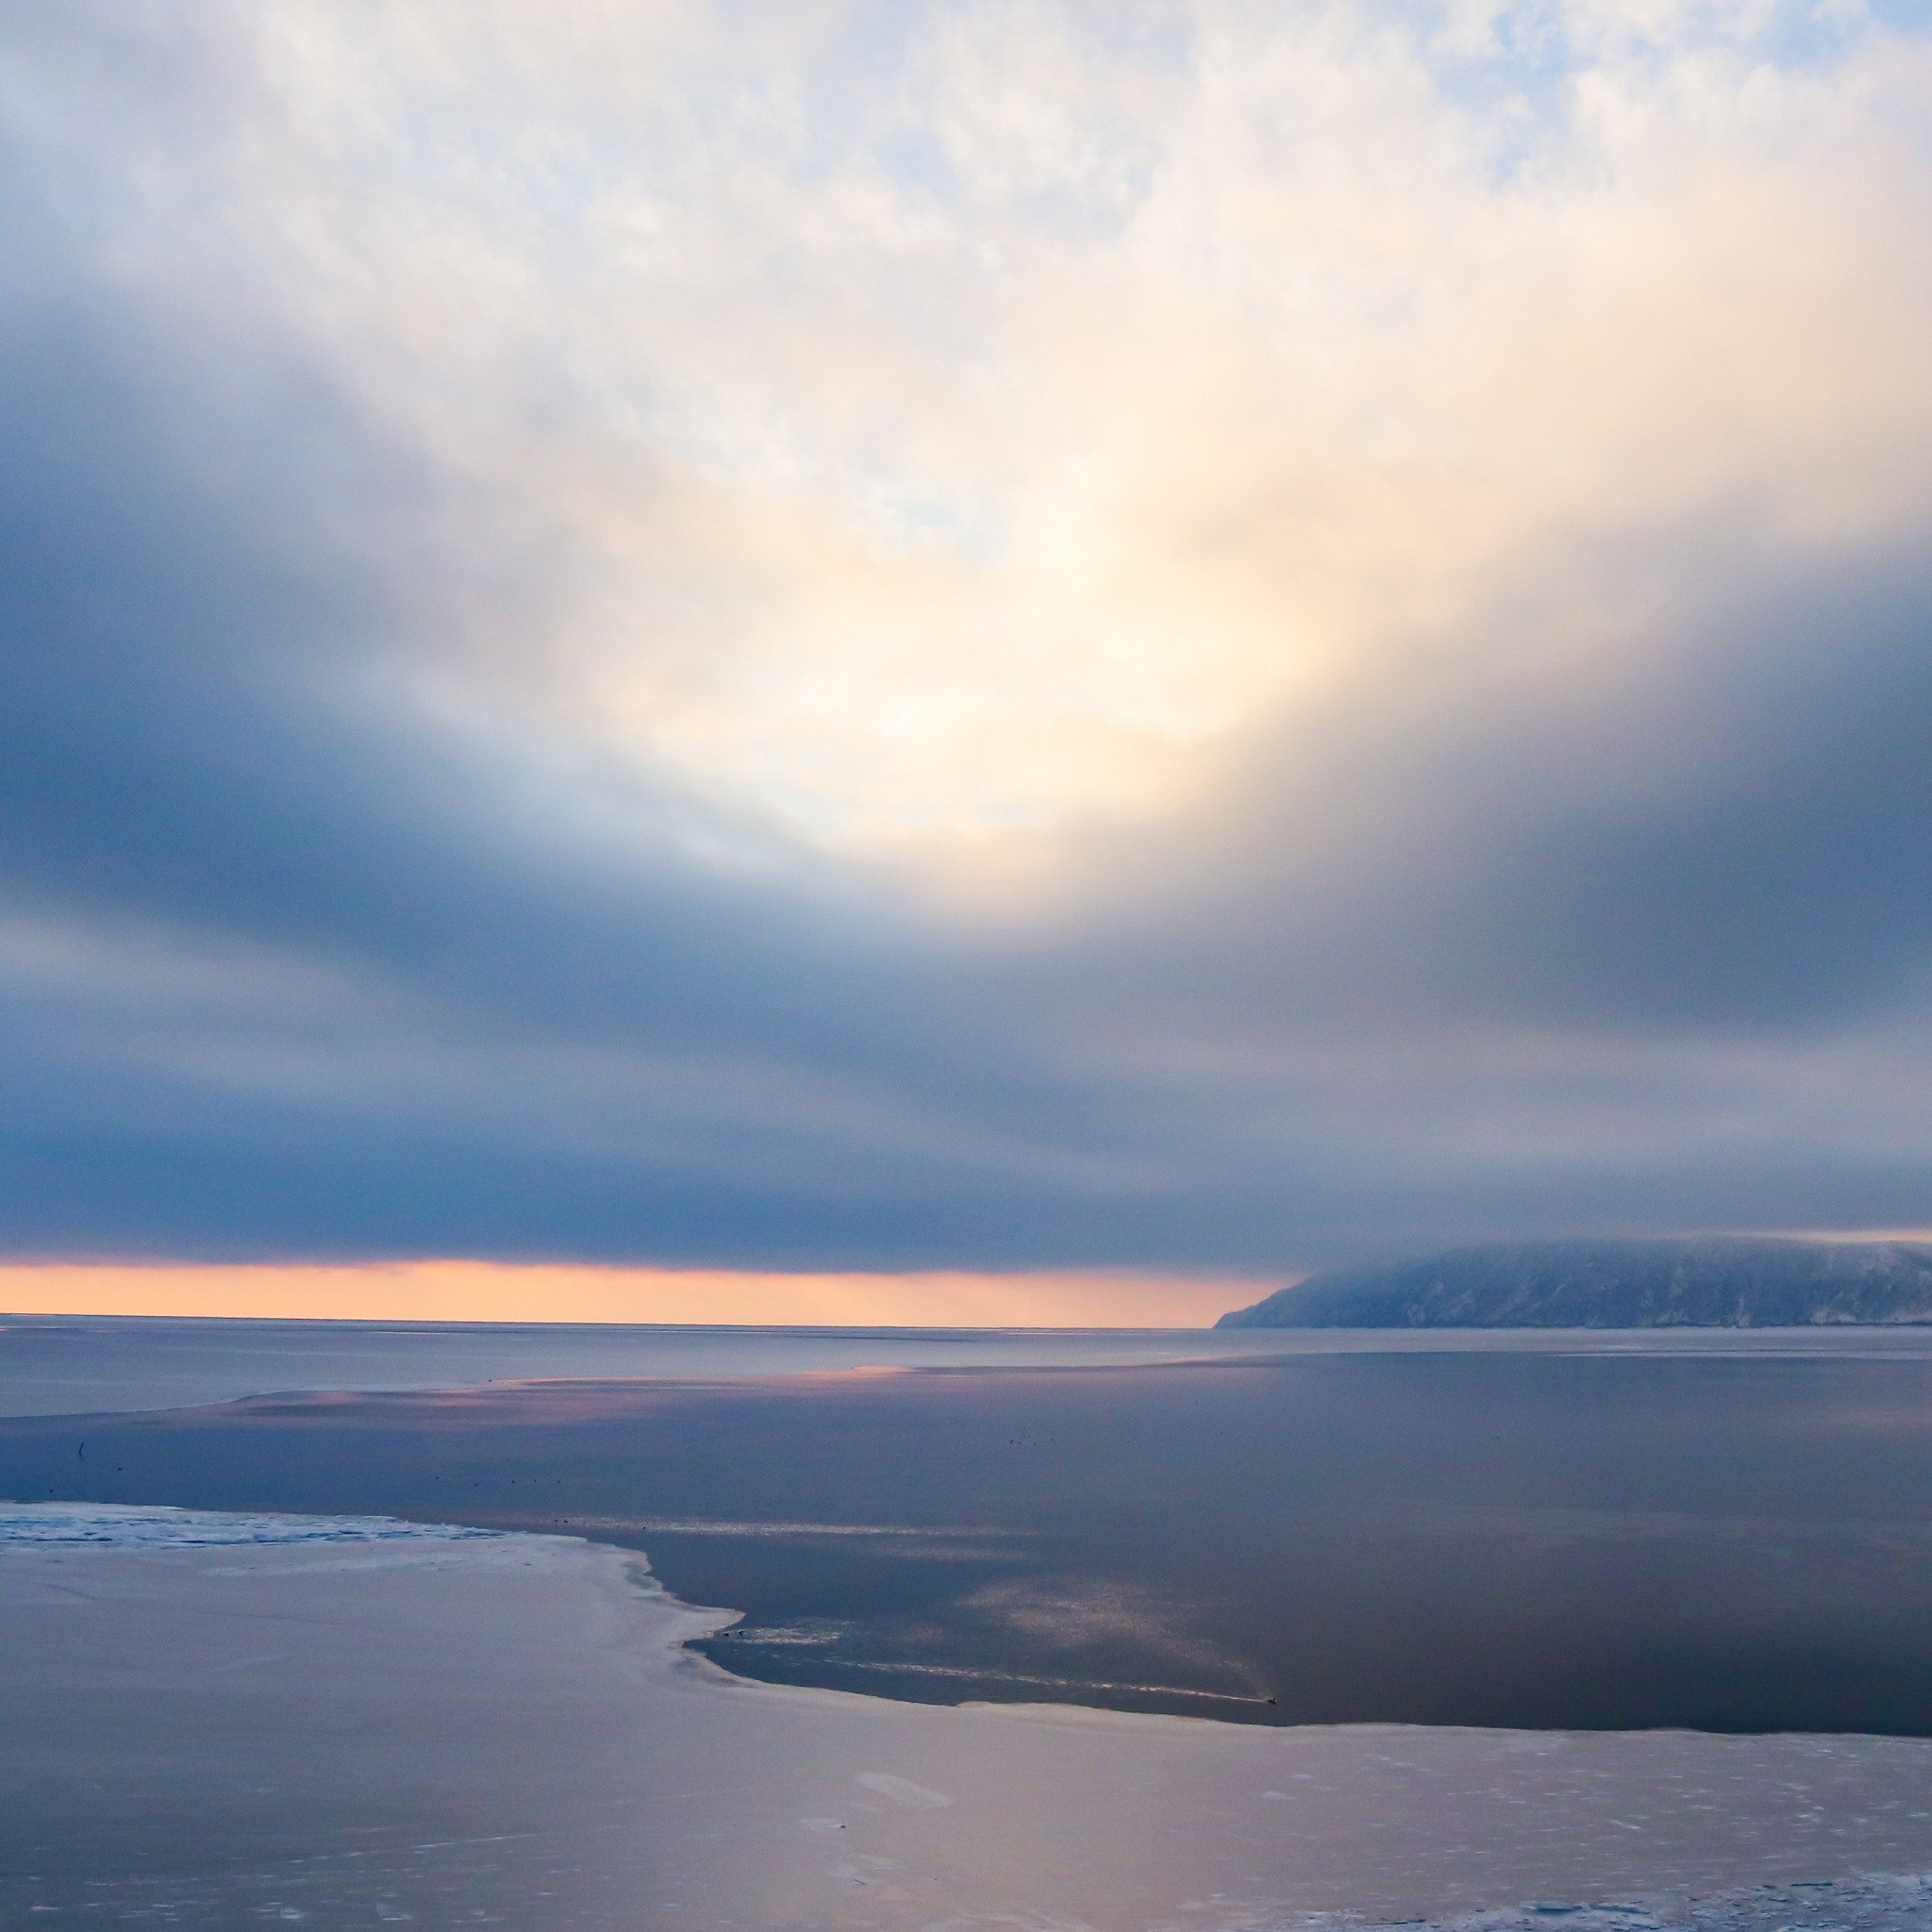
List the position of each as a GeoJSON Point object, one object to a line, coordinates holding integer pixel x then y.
{"type": "Point", "coordinates": [1149, 646]}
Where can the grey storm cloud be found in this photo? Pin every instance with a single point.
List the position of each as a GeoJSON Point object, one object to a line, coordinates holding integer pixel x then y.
{"type": "Point", "coordinates": [1589, 888]}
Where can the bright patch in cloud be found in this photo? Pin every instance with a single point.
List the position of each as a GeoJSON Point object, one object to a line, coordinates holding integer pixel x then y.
{"type": "Point", "coordinates": [960, 433]}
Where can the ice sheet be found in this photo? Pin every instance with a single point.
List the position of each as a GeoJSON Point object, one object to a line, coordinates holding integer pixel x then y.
{"type": "Point", "coordinates": [220, 1724]}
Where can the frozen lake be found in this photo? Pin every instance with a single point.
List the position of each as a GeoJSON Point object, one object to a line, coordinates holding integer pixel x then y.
{"type": "Point", "coordinates": [229, 1722]}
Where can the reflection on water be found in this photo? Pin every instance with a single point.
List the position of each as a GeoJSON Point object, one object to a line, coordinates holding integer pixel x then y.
{"type": "Point", "coordinates": [1529, 1539]}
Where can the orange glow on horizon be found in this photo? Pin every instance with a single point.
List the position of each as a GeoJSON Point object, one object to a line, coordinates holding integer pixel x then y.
{"type": "Point", "coordinates": [460, 1290]}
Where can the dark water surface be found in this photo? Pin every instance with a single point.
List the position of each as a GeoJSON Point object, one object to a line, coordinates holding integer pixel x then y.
{"type": "Point", "coordinates": [1735, 1542]}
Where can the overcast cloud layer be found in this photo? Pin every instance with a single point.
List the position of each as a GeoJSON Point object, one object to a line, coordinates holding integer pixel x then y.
{"type": "Point", "coordinates": [836, 636]}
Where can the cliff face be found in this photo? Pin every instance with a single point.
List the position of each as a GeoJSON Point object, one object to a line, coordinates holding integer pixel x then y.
{"type": "Point", "coordinates": [1708, 1283]}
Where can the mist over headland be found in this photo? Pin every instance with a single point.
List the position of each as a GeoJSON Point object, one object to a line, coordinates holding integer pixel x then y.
{"type": "Point", "coordinates": [1710, 1282]}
